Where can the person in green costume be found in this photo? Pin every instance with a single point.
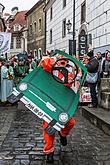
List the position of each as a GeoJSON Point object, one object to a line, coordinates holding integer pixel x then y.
{"type": "Point", "coordinates": [20, 70]}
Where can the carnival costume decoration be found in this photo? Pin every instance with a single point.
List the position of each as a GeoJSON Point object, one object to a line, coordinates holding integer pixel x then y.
{"type": "Point", "coordinates": [49, 91]}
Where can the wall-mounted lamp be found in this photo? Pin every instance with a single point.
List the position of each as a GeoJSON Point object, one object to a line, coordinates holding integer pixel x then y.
{"type": "Point", "coordinates": [69, 25]}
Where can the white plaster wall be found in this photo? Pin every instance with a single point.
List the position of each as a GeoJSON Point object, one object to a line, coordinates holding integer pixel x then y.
{"type": "Point", "coordinates": [97, 23]}
{"type": "Point", "coordinates": [59, 14]}
{"type": "Point", "coordinates": [98, 19]}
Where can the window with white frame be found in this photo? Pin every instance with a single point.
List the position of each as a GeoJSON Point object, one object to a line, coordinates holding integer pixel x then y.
{"type": "Point", "coordinates": [50, 36]}
{"type": "Point", "coordinates": [64, 28]}
{"type": "Point", "coordinates": [17, 27]}
{"type": "Point", "coordinates": [18, 42]}
{"type": "Point", "coordinates": [40, 23]}
{"type": "Point", "coordinates": [64, 3]}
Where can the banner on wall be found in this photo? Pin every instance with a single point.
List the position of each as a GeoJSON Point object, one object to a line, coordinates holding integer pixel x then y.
{"type": "Point", "coordinates": [5, 42]}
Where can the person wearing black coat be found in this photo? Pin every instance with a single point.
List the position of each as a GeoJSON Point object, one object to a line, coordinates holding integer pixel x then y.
{"type": "Point", "coordinates": [92, 67]}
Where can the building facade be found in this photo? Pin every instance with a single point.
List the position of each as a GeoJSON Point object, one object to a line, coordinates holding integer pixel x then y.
{"type": "Point", "coordinates": [16, 25]}
{"type": "Point", "coordinates": [36, 29]}
{"type": "Point", "coordinates": [92, 21]}
{"type": "Point", "coordinates": [93, 18]}
{"type": "Point", "coordinates": [57, 14]}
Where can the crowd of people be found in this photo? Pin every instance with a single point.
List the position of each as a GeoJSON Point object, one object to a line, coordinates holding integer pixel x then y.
{"type": "Point", "coordinates": [96, 69]}
{"type": "Point", "coordinates": [15, 68]}
{"type": "Point", "coordinates": [12, 71]}
{"type": "Point", "coordinates": [98, 66]}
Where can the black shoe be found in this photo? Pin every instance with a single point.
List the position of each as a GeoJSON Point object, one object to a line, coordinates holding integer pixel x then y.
{"type": "Point", "coordinates": [63, 140]}
{"type": "Point", "coordinates": [50, 158]}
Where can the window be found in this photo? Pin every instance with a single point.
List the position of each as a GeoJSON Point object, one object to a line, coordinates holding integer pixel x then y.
{"type": "Point", "coordinates": [40, 25]}
{"type": "Point", "coordinates": [12, 43]}
{"type": "Point", "coordinates": [18, 42]}
{"type": "Point", "coordinates": [17, 27]}
{"type": "Point", "coordinates": [64, 3]}
{"type": "Point", "coordinates": [30, 29]}
{"type": "Point", "coordinates": [35, 27]}
{"type": "Point", "coordinates": [83, 12]}
{"type": "Point", "coordinates": [64, 28]}
{"type": "Point", "coordinates": [51, 13]}
{"type": "Point", "coordinates": [51, 36]}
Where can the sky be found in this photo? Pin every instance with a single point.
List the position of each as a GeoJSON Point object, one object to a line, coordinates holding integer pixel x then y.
{"type": "Point", "coordinates": [21, 4]}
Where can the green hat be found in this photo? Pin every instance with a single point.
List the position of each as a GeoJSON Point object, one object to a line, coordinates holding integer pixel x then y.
{"type": "Point", "coordinates": [2, 59]}
{"type": "Point", "coordinates": [21, 58]}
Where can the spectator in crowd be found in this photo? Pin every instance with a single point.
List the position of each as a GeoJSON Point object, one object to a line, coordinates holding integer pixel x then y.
{"type": "Point", "coordinates": [92, 68]}
{"type": "Point", "coordinates": [101, 62]}
{"type": "Point", "coordinates": [20, 70]}
{"type": "Point", "coordinates": [1, 63]}
{"type": "Point", "coordinates": [32, 64]}
{"type": "Point", "coordinates": [107, 65]}
{"type": "Point", "coordinates": [85, 59]}
{"type": "Point", "coordinates": [7, 75]}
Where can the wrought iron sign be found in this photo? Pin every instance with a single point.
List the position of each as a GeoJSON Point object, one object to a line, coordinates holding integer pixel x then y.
{"type": "Point", "coordinates": [82, 44]}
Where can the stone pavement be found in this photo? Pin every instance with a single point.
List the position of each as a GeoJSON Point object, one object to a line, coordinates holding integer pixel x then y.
{"type": "Point", "coordinates": [21, 141]}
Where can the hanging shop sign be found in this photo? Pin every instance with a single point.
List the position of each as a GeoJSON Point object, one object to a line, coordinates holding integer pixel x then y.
{"type": "Point", "coordinates": [82, 44]}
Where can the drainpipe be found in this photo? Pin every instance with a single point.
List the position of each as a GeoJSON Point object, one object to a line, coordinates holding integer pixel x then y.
{"type": "Point", "coordinates": [74, 41]}
{"type": "Point", "coordinates": [45, 14]}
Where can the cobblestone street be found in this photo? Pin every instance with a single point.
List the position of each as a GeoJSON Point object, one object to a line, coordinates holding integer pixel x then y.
{"type": "Point", "coordinates": [21, 141]}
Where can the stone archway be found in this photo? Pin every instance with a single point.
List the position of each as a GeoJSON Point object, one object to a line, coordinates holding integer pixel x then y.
{"type": "Point", "coordinates": [83, 28]}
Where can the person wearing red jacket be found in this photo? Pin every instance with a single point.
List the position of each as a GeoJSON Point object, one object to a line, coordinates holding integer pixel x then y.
{"type": "Point", "coordinates": [47, 63]}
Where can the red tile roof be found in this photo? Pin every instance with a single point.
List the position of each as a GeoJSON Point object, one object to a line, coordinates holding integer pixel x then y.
{"type": "Point", "coordinates": [6, 14]}
{"type": "Point", "coordinates": [19, 19]}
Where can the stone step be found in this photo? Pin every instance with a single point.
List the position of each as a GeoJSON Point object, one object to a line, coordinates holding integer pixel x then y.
{"type": "Point", "coordinates": [105, 100]}
{"type": "Point", "coordinates": [99, 117]}
{"type": "Point", "coordinates": [105, 84]}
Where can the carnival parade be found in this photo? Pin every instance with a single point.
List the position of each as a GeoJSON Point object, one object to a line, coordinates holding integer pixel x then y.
{"type": "Point", "coordinates": [55, 83]}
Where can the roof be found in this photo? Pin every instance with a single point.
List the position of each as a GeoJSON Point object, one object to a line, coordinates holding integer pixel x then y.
{"type": "Point", "coordinates": [35, 6]}
{"type": "Point", "coordinates": [6, 14]}
{"type": "Point", "coordinates": [49, 4]}
{"type": "Point", "coordinates": [19, 19]}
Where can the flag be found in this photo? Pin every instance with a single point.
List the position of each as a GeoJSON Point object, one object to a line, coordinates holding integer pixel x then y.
{"type": "Point", "coordinates": [5, 42]}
